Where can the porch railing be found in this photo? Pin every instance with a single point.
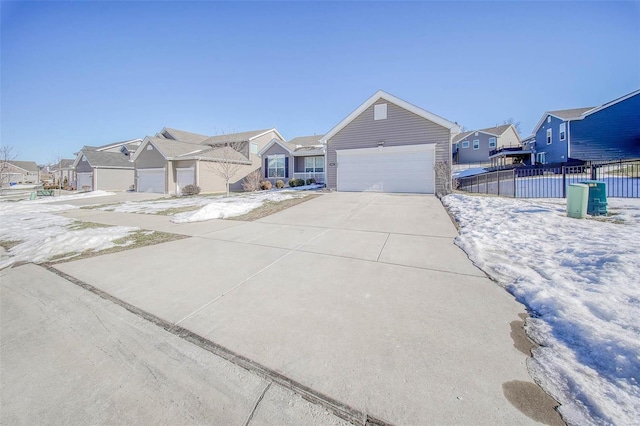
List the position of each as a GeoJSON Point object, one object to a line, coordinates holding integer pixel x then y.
{"type": "Point", "coordinates": [317, 176]}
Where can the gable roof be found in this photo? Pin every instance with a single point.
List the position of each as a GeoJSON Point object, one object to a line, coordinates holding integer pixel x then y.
{"type": "Point", "coordinates": [562, 114]}
{"type": "Point", "coordinates": [239, 137]}
{"type": "Point", "coordinates": [181, 135]}
{"type": "Point", "coordinates": [115, 144]}
{"type": "Point", "coordinates": [221, 153]}
{"type": "Point", "coordinates": [380, 94]}
{"type": "Point", "coordinates": [63, 164]}
{"type": "Point", "coordinates": [611, 103]}
{"type": "Point", "coordinates": [306, 140]}
{"type": "Point", "coordinates": [274, 141]}
{"type": "Point", "coordinates": [28, 166]}
{"type": "Point", "coordinates": [169, 148]}
{"type": "Point", "coordinates": [493, 131]}
{"type": "Point", "coordinates": [102, 159]}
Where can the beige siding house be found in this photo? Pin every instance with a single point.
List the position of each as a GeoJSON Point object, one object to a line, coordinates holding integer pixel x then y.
{"type": "Point", "coordinates": [99, 170]}
{"type": "Point", "coordinates": [173, 159]}
{"type": "Point", "coordinates": [390, 145]}
{"type": "Point", "coordinates": [17, 172]}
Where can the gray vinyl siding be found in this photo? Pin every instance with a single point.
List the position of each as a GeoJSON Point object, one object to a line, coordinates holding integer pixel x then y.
{"type": "Point", "coordinates": [149, 159]}
{"type": "Point", "coordinates": [83, 167]}
{"type": "Point", "coordinates": [470, 155]}
{"type": "Point", "coordinates": [401, 127]}
{"type": "Point", "coordinates": [277, 150]}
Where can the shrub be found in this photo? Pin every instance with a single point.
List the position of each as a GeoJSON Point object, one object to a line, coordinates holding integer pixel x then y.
{"type": "Point", "coordinates": [311, 181]}
{"type": "Point", "coordinates": [265, 185]}
{"type": "Point", "coordinates": [251, 182]}
{"type": "Point", "coordinates": [292, 183]}
{"type": "Point", "coordinates": [300, 182]}
{"type": "Point", "coordinates": [279, 184]}
{"type": "Point", "coordinates": [191, 190]}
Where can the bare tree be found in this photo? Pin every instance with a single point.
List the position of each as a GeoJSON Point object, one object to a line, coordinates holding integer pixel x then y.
{"type": "Point", "coordinates": [57, 164]}
{"type": "Point", "coordinates": [227, 161]}
{"type": "Point", "coordinates": [516, 124]}
{"type": "Point", "coordinates": [6, 155]}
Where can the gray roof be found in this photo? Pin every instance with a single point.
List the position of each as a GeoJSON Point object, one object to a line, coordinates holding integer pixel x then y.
{"type": "Point", "coordinates": [171, 148]}
{"type": "Point", "coordinates": [29, 166]}
{"type": "Point", "coordinates": [497, 131]}
{"type": "Point", "coordinates": [568, 114]}
{"type": "Point", "coordinates": [63, 164]}
{"type": "Point", "coordinates": [305, 151]}
{"type": "Point", "coordinates": [233, 137]}
{"type": "Point", "coordinates": [224, 153]}
{"type": "Point", "coordinates": [306, 140]}
{"type": "Point", "coordinates": [182, 136]}
{"type": "Point", "coordinates": [107, 159]}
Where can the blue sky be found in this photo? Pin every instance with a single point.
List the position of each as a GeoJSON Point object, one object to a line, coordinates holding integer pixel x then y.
{"type": "Point", "coordinates": [92, 73]}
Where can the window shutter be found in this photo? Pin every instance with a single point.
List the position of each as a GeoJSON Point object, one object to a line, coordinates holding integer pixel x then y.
{"type": "Point", "coordinates": [286, 167]}
{"type": "Point", "coordinates": [266, 167]}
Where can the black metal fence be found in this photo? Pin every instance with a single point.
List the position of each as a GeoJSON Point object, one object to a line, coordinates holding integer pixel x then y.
{"type": "Point", "coordinates": [622, 179]}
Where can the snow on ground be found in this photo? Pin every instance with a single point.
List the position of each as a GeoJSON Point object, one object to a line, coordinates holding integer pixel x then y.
{"type": "Point", "coordinates": [457, 174]}
{"type": "Point", "coordinates": [580, 280]}
{"type": "Point", "coordinates": [44, 235]}
{"type": "Point", "coordinates": [219, 207]}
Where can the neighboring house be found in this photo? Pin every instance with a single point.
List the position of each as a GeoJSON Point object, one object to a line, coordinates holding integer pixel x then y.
{"type": "Point", "coordinates": [63, 171]}
{"type": "Point", "coordinates": [300, 158]}
{"type": "Point", "coordinates": [390, 145]}
{"type": "Point", "coordinates": [105, 167]}
{"type": "Point", "coordinates": [607, 132]}
{"type": "Point", "coordinates": [174, 158]}
{"type": "Point", "coordinates": [478, 145]}
{"type": "Point", "coordinates": [16, 172]}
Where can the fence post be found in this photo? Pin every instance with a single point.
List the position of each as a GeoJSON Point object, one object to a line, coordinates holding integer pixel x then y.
{"type": "Point", "coordinates": [564, 182]}
{"type": "Point", "coordinates": [514, 182]}
{"type": "Point", "coordinates": [498, 180]}
{"type": "Point", "coordinates": [594, 172]}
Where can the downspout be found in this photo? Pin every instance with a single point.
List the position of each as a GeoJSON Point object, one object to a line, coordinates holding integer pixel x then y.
{"type": "Point", "coordinates": [95, 179]}
{"type": "Point", "coordinates": [568, 139]}
{"type": "Point", "coordinates": [197, 172]}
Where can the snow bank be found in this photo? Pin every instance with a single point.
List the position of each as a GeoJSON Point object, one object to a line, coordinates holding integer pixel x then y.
{"type": "Point", "coordinates": [580, 281]}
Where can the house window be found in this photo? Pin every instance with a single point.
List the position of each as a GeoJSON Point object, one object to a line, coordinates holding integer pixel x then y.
{"type": "Point", "coordinates": [549, 137]}
{"type": "Point", "coordinates": [314, 164]}
{"type": "Point", "coordinates": [465, 144]}
{"type": "Point", "coordinates": [276, 166]}
{"type": "Point", "coordinates": [380, 112]}
{"type": "Point", "coordinates": [476, 144]}
{"type": "Point", "coordinates": [492, 142]}
{"type": "Point", "coordinates": [563, 131]}
{"type": "Point", "coordinates": [548, 119]}
{"type": "Point", "coordinates": [541, 158]}
{"type": "Point", "coordinates": [254, 148]}
{"type": "Point", "coordinates": [149, 148]}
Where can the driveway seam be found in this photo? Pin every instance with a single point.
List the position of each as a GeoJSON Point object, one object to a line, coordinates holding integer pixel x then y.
{"type": "Point", "coordinates": [383, 246]}
{"type": "Point", "coordinates": [334, 406]}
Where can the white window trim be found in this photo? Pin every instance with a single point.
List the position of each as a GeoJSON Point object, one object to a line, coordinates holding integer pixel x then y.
{"type": "Point", "coordinates": [549, 136]}
{"type": "Point", "coordinates": [563, 131]}
{"type": "Point", "coordinates": [269, 168]}
{"type": "Point", "coordinates": [315, 168]}
{"type": "Point", "coordinates": [476, 146]}
{"type": "Point", "coordinates": [492, 144]}
{"type": "Point", "coordinates": [380, 112]}
{"type": "Point", "coordinates": [465, 144]}
{"type": "Point", "coordinates": [541, 158]}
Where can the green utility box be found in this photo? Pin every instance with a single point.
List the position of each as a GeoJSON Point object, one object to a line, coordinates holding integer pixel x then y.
{"type": "Point", "coordinates": [577, 200]}
{"type": "Point", "coordinates": [597, 205]}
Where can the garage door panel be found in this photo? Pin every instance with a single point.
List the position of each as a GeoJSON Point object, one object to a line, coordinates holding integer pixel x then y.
{"type": "Point", "coordinates": [386, 170]}
{"type": "Point", "coordinates": [85, 181]}
{"type": "Point", "coordinates": [151, 180]}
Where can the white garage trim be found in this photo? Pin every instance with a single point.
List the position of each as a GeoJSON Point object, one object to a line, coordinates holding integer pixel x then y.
{"type": "Point", "coordinates": [184, 176]}
{"type": "Point", "coordinates": [407, 168]}
{"type": "Point", "coordinates": [151, 180]}
{"type": "Point", "coordinates": [84, 179]}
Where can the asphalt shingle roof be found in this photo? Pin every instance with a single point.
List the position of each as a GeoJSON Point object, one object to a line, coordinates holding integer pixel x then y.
{"type": "Point", "coordinates": [171, 148]}
{"type": "Point", "coordinates": [233, 137]}
{"type": "Point", "coordinates": [107, 159]}
{"type": "Point", "coordinates": [224, 153]}
{"type": "Point", "coordinates": [306, 140]}
{"type": "Point", "coordinates": [567, 114]}
{"type": "Point", "coordinates": [29, 166]}
{"type": "Point", "coordinates": [188, 137]}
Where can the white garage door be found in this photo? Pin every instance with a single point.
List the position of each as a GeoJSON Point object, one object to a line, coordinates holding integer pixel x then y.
{"type": "Point", "coordinates": [151, 180]}
{"type": "Point", "coordinates": [407, 168]}
{"type": "Point", "coordinates": [185, 177]}
{"type": "Point", "coordinates": [85, 182]}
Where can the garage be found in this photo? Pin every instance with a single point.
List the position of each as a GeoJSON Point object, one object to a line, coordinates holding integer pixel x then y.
{"type": "Point", "coordinates": [184, 177]}
{"type": "Point", "coordinates": [151, 180]}
{"type": "Point", "coordinates": [408, 168]}
{"type": "Point", "coordinates": [85, 181]}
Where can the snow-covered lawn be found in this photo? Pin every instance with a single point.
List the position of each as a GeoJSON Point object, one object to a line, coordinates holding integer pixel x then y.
{"type": "Point", "coordinates": [41, 235]}
{"type": "Point", "coordinates": [206, 208]}
{"type": "Point", "coordinates": [580, 280]}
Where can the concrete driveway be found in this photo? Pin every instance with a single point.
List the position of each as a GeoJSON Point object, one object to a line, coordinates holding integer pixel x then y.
{"type": "Point", "coordinates": [362, 297]}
